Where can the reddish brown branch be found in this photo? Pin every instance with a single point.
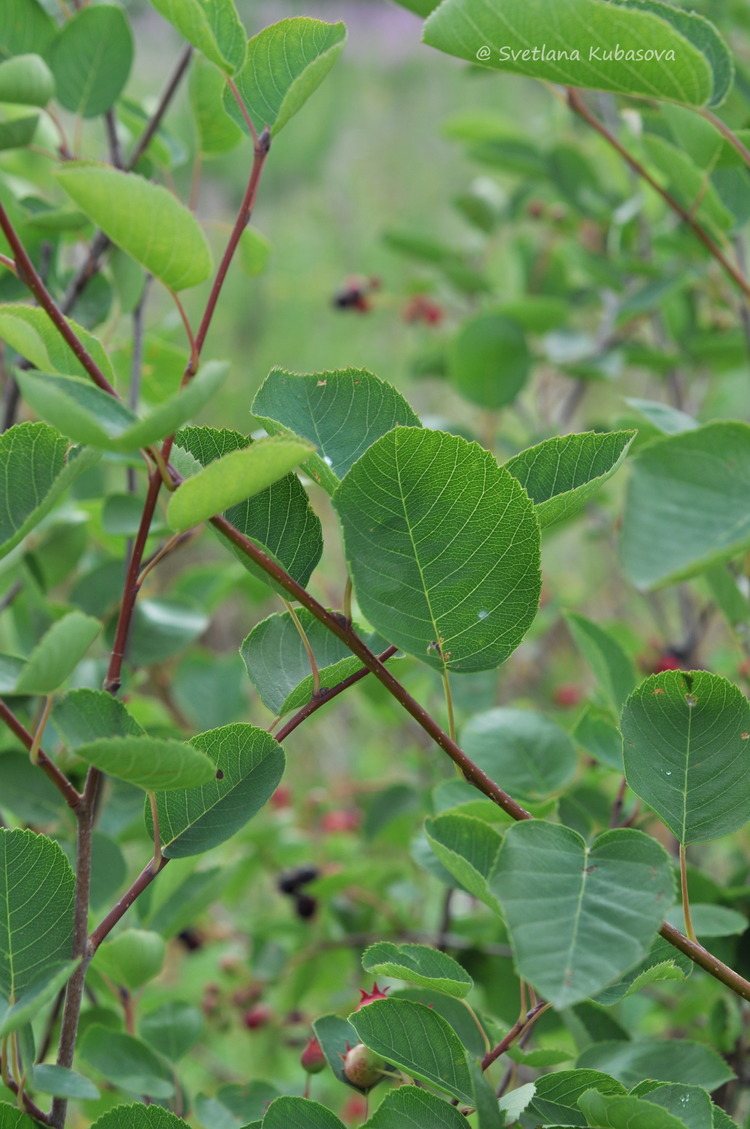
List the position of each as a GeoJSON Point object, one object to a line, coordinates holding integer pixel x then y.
{"type": "Point", "coordinates": [49, 768]}
{"type": "Point", "coordinates": [579, 107]}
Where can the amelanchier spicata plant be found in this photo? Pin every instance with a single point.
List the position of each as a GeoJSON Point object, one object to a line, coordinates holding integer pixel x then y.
{"type": "Point", "coordinates": [559, 994]}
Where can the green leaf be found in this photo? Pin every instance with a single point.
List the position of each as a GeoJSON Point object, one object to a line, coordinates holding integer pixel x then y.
{"type": "Point", "coordinates": [213, 27]}
{"type": "Point", "coordinates": [217, 133]}
{"type": "Point", "coordinates": [172, 1028]}
{"type": "Point", "coordinates": [163, 628]}
{"type": "Point", "coordinates": [276, 659]}
{"type": "Point", "coordinates": [684, 58]}
{"type": "Point", "coordinates": [299, 1113]}
{"type": "Point", "coordinates": [253, 252]}
{"type": "Point", "coordinates": [233, 478]}
{"type": "Point", "coordinates": [443, 548]}
{"type": "Point", "coordinates": [250, 765]}
{"type": "Point", "coordinates": [335, 1036]}
{"type": "Point", "coordinates": [126, 1062]}
{"type": "Point", "coordinates": [62, 1083]}
{"type": "Point", "coordinates": [25, 27]}
{"type": "Point", "coordinates": [688, 1104]}
{"type": "Point", "coordinates": [88, 415]}
{"type": "Point", "coordinates": [686, 739]}
{"type": "Point", "coordinates": [468, 848]}
{"type": "Point", "coordinates": [44, 989]}
{"type": "Point", "coordinates": [561, 474]}
{"type": "Point", "coordinates": [666, 1060]}
{"type": "Point", "coordinates": [37, 888]}
{"type": "Point", "coordinates": [174, 907]}
{"type": "Point", "coordinates": [607, 1112]}
{"type": "Point", "coordinates": [341, 412]}
{"type": "Point", "coordinates": [139, 1116]}
{"type": "Point", "coordinates": [489, 361]}
{"type": "Point", "coordinates": [132, 958]}
{"type": "Point", "coordinates": [17, 133]}
{"type": "Point", "coordinates": [82, 716]}
{"type": "Point", "coordinates": [685, 507]}
{"type": "Point", "coordinates": [409, 1107]}
{"type": "Point", "coordinates": [419, 1041]}
{"type": "Point", "coordinates": [664, 962]}
{"type": "Point", "coordinates": [418, 964]}
{"type": "Point", "coordinates": [58, 653]}
{"type": "Point", "coordinates": [143, 219]}
{"type": "Point", "coordinates": [42, 465]}
{"type": "Point", "coordinates": [709, 920]}
{"type": "Point", "coordinates": [614, 671]}
{"type": "Point", "coordinates": [12, 1118]}
{"type": "Point", "coordinates": [149, 762]}
{"type": "Point", "coordinates": [556, 1099]}
{"type": "Point", "coordinates": [26, 80]}
{"type": "Point", "coordinates": [36, 458]}
{"type": "Point", "coordinates": [596, 734]}
{"type": "Point", "coordinates": [31, 797]}
{"type": "Point", "coordinates": [279, 518]}
{"type": "Point", "coordinates": [285, 65]}
{"type": "Point", "coordinates": [608, 901]}
{"type": "Point", "coordinates": [91, 59]}
{"type": "Point", "coordinates": [29, 331]}
{"type": "Point", "coordinates": [521, 751]}
{"type": "Point", "coordinates": [689, 184]}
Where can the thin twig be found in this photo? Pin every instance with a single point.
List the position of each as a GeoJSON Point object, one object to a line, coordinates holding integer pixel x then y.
{"type": "Point", "coordinates": [49, 768]}
{"type": "Point", "coordinates": [74, 991]}
{"type": "Point", "coordinates": [579, 107]}
{"type": "Point", "coordinates": [521, 1024]}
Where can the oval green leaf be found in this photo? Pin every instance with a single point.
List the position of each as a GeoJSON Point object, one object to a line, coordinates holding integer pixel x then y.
{"type": "Point", "coordinates": [279, 519]}
{"type": "Point", "coordinates": [58, 653]}
{"type": "Point", "coordinates": [285, 64]}
{"type": "Point", "coordinates": [341, 412]}
{"type": "Point", "coordinates": [91, 59]}
{"type": "Point", "coordinates": [419, 1041]}
{"type": "Point", "coordinates": [468, 848]}
{"type": "Point", "coordinates": [299, 1113]}
{"type": "Point", "coordinates": [27, 80]}
{"type": "Point", "coordinates": [489, 361]}
{"type": "Point", "coordinates": [89, 415]}
{"type": "Point", "coordinates": [29, 331]}
{"type": "Point", "coordinates": [686, 749]}
{"type": "Point", "coordinates": [685, 507]}
{"type": "Point", "coordinates": [591, 44]}
{"type": "Point", "coordinates": [212, 26]}
{"type": "Point", "coordinates": [409, 1107]}
{"type": "Point", "coordinates": [38, 456]}
{"type": "Point", "coordinates": [443, 548]}
{"type": "Point", "coordinates": [37, 888]}
{"type": "Point", "coordinates": [608, 900]}
{"type": "Point", "coordinates": [234, 478]}
{"type": "Point", "coordinates": [250, 764]}
{"type": "Point", "coordinates": [522, 751]}
{"type": "Point", "coordinates": [418, 964]}
{"type": "Point", "coordinates": [149, 762]}
{"type": "Point", "coordinates": [561, 474]}
{"type": "Point", "coordinates": [127, 1063]}
{"type": "Point", "coordinates": [132, 958]}
{"type": "Point", "coordinates": [143, 219]}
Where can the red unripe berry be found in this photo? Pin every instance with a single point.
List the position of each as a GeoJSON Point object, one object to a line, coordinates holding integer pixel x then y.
{"type": "Point", "coordinates": [312, 1058]}
{"type": "Point", "coordinates": [363, 1067]}
{"type": "Point", "coordinates": [355, 1110]}
{"type": "Point", "coordinates": [370, 997]}
{"type": "Point", "coordinates": [281, 798]}
{"type": "Point", "coordinates": [423, 309]}
{"type": "Point", "coordinates": [257, 1016]}
{"type": "Point", "coordinates": [340, 821]}
{"type": "Point", "coordinates": [567, 695]}
{"type": "Point", "coordinates": [667, 661]}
